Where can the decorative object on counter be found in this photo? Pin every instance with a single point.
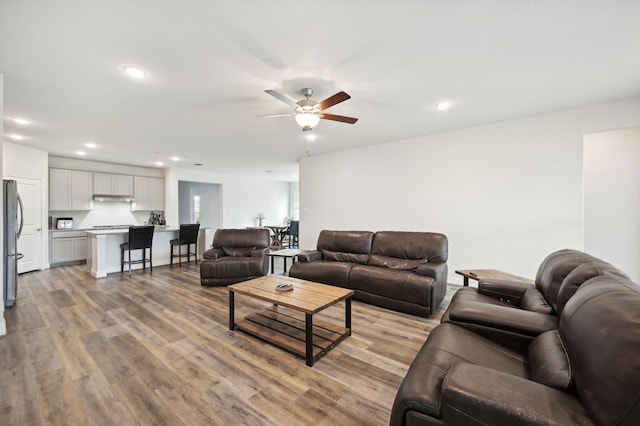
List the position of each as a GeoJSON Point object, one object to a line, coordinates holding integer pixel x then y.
{"type": "Point", "coordinates": [188, 235]}
{"type": "Point", "coordinates": [140, 238]}
{"type": "Point", "coordinates": [156, 218]}
{"type": "Point", "coordinates": [260, 218]}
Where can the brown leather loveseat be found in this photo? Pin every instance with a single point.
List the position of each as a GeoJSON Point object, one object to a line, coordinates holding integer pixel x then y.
{"type": "Point", "coordinates": [584, 372]}
{"type": "Point", "coordinates": [511, 310]}
{"type": "Point", "coordinates": [403, 271]}
{"type": "Point", "coordinates": [237, 255]}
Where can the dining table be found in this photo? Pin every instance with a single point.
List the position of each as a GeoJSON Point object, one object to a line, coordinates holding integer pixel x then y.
{"type": "Point", "coordinates": [278, 232]}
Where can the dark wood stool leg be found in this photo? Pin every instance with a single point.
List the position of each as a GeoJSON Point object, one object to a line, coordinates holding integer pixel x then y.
{"type": "Point", "coordinates": [151, 259]}
{"type": "Point", "coordinates": [121, 260]}
{"type": "Point", "coordinates": [171, 261]}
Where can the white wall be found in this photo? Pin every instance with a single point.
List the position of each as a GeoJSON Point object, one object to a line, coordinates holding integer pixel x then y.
{"type": "Point", "coordinates": [506, 194]}
{"type": "Point", "coordinates": [612, 198]}
{"type": "Point", "coordinates": [242, 197]}
{"type": "Point", "coordinates": [3, 328]}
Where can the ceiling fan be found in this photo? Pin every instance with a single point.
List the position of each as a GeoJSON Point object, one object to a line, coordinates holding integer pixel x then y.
{"type": "Point", "coordinates": [308, 112]}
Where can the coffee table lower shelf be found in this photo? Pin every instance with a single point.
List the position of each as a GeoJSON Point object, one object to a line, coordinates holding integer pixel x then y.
{"type": "Point", "coordinates": [286, 329]}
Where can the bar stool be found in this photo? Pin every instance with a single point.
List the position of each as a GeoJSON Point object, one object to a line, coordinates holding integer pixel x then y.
{"type": "Point", "coordinates": [140, 238]}
{"type": "Point", "coordinates": [188, 235]}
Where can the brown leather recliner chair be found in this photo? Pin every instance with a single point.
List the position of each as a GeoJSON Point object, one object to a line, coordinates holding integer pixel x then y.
{"type": "Point", "coordinates": [237, 255]}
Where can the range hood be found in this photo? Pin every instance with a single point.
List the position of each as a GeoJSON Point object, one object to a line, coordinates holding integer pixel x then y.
{"type": "Point", "coordinates": [112, 197]}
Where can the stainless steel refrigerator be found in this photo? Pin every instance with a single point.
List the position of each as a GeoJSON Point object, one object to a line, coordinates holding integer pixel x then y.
{"type": "Point", "coordinates": [13, 220]}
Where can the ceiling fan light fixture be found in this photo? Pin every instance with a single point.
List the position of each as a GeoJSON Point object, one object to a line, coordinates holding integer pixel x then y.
{"type": "Point", "coordinates": [307, 120]}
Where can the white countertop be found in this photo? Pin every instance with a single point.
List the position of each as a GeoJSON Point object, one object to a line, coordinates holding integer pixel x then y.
{"type": "Point", "coordinates": [126, 230]}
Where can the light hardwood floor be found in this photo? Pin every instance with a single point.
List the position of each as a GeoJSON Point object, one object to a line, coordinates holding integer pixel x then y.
{"type": "Point", "coordinates": [155, 348]}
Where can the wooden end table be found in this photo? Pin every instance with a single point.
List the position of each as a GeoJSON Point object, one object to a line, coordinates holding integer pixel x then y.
{"type": "Point", "coordinates": [490, 274]}
{"type": "Point", "coordinates": [284, 327]}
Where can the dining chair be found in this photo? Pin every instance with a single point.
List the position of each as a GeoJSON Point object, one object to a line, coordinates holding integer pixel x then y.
{"type": "Point", "coordinates": [140, 238]}
{"type": "Point", "coordinates": [292, 234]}
{"type": "Point", "coordinates": [188, 235]}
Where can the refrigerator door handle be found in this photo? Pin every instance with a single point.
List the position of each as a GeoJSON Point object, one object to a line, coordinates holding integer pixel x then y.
{"type": "Point", "coordinates": [21, 216]}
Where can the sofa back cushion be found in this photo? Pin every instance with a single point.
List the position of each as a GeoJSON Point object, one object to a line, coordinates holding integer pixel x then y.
{"type": "Point", "coordinates": [407, 250]}
{"type": "Point", "coordinates": [580, 275]}
{"type": "Point", "coordinates": [241, 238]}
{"type": "Point", "coordinates": [600, 329]}
{"type": "Point", "coordinates": [554, 269]}
{"type": "Point", "coordinates": [345, 246]}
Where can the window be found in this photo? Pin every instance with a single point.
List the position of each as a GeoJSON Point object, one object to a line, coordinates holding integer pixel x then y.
{"type": "Point", "coordinates": [196, 209]}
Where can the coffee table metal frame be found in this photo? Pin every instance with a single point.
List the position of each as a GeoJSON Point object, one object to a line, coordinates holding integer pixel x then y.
{"type": "Point", "coordinates": [307, 297]}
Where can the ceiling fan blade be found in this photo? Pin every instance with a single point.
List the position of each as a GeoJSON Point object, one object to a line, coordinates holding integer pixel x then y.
{"type": "Point", "coordinates": [340, 118]}
{"type": "Point", "coordinates": [282, 97]}
{"type": "Point", "coordinates": [332, 100]}
{"type": "Point", "coordinates": [285, 114]}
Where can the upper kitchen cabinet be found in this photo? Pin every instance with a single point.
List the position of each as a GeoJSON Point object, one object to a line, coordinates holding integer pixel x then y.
{"type": "Point", "coordinates": [69, 190]}
{"type": "Point", "coordinates": [107, 184]}
{"type": "Point", "coordinates": [149, 194]}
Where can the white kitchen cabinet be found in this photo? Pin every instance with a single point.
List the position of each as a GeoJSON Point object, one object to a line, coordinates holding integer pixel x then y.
{"type": "Point", "coordinates": [149, 194]}
{"type": "Point", "coordinates": [108, 184]}
{"type": "Point", "coordinates": [69, 190]}
{"type": "Point", "coordinates": [67, 247]}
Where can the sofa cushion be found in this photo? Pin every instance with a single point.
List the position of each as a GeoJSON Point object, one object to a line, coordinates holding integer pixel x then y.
{"type": "Point", "coordinates": [338, 256]}
{"type": "Point", "coordinates": [238, 251]}
{"type": "Point", "coordinates": [411, 245]}
{"type": "Point", "coordinates": [532, 300]}
{"type": "Point", "coordinates": [233, 267]}
{"type": "Point", "coordinates": [549, 361]}
{"type": "Point", "coordinates": [394, 262]}
{"type": "Point", "coordinates": [241, 238]}
{"type": "Point", "coordinates": [355, 242]}
{"type": "Point", "coordinates": [323, 271]}
{"type": "Point", "coordinates": [392, 283]}
{"type": "Point", "coordinates": [554, 269]}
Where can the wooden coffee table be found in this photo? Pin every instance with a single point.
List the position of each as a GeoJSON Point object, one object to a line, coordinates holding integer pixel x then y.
{"type": "Point", "coordinates": [286, 328]}
{"type": "Point", "coordinates": [490, 274]}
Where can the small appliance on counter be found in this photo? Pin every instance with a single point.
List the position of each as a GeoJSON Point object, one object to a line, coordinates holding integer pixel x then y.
{"type": "Point", "coordinates": [64, 223]}
{"type": "Point", "coordinates": [157, 218]}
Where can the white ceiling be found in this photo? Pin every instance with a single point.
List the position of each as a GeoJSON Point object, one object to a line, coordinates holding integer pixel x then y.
{"type": "Point", "coordinates": [209, 63]}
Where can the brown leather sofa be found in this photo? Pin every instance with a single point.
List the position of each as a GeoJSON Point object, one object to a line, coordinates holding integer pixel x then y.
{"type": "Point", "coordinates": [236, 255]}
{"type": "Point", "coordinates": [514, 313]}
{"type": "Point", "coordinates": [585, 372]}
{"type": "Point", "coordinates": [403, 271]}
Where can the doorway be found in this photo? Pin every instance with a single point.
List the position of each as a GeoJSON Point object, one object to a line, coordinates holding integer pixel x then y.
{"type": "Point", "coordinates": [200, 203]}
{"type": "Point", "coordinates": [30, 241]}
{"type": "Point", "coordinates": [612, 198]}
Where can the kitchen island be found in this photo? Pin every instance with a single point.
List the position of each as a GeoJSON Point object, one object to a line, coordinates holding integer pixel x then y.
{"type": "Point", "coordinates": [104, 248]}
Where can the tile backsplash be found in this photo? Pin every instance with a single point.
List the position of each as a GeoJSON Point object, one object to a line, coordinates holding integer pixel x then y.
{"type": "Point", "coordinates": [104, 213]}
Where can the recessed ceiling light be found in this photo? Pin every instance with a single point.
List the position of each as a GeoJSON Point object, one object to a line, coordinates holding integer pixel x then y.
{"type": "Point", "coordinates": [175, 158]}
{"type": "Point", "coordinates": [443, 105]}
{"type": "Point", "coordinates": [311, 137]}
{"type": "Point", "coordinates": [90, 145]}
{"type": "Point", "coordinates": [268, 171]}
{"type": "Point", "coordinates": [16, 137]}
{"type": "Point", "coordinates": [134, 71]}
{"type": "Point", "coordinates": [159, 163]}
{"type": "Point", "coordinates": [81, 153]}
{"type": "Point", "coordinates": [21, 121]}
{"type": "Point", "coordinates": [198, 164]}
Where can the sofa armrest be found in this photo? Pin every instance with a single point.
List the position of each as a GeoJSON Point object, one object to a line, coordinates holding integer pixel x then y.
{"type": "Point", "coordinates": [479, 395]}
{"type": "Point", "coordinates": [310, 256]}
{"type": "Point", "coordinates": [213, 253]}
{"type": "Point", "coordinates": [502, 317]}
{"type": "Point", "coordinates": [505, 290]}
{"type": "Point", "coordinates": [436, 270]}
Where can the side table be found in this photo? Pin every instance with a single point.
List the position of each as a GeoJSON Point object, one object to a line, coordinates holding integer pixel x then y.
{"type": "Point", "coordinates": [491, 274]}
{"type": "Point", "coordinates": [285, 254]}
